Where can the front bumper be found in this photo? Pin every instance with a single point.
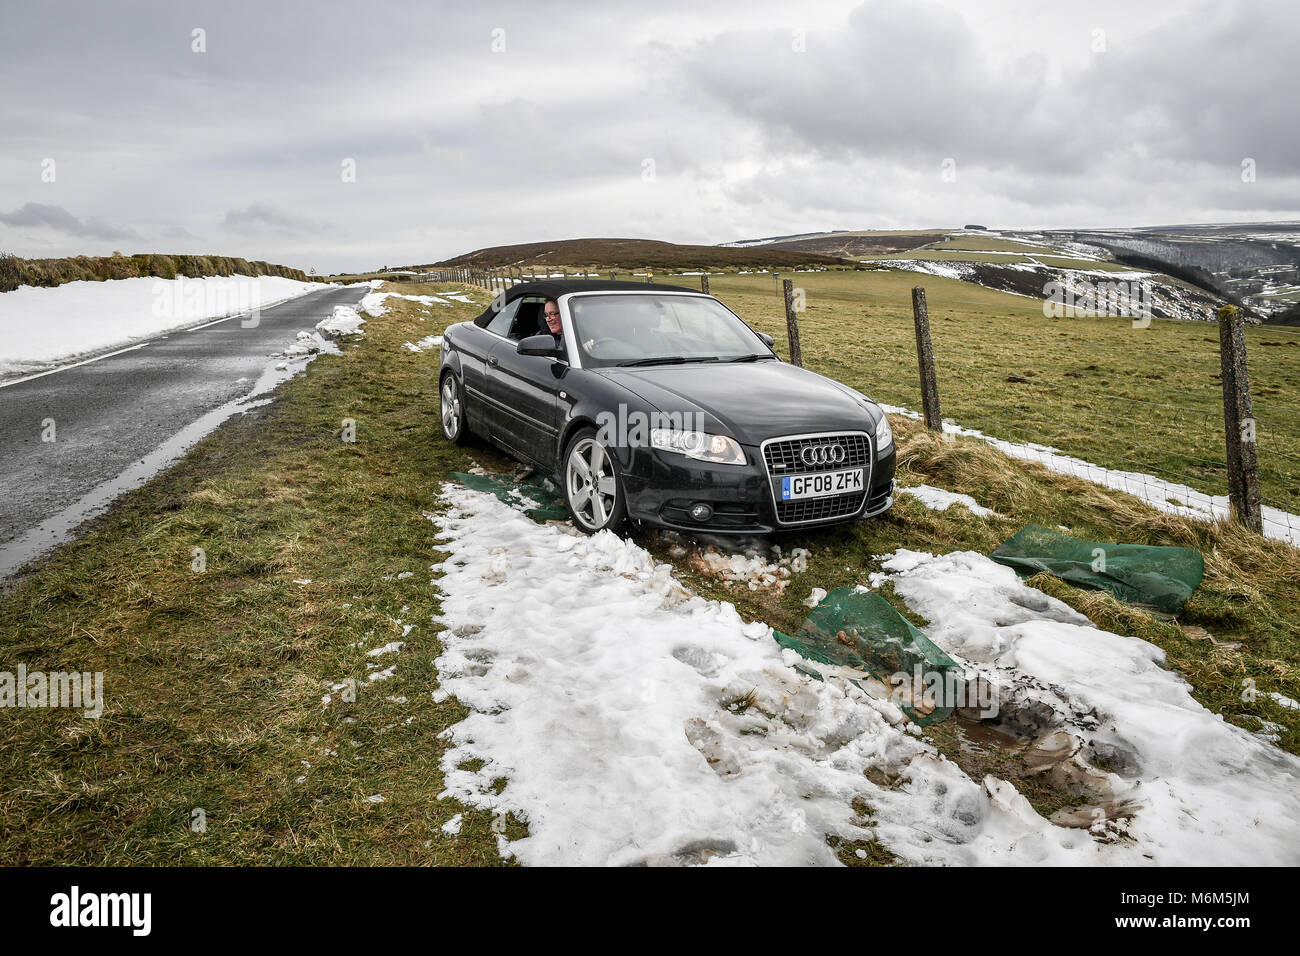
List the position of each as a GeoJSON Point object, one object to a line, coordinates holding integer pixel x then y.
{"type": "Point", "coordinates": [661, 487]}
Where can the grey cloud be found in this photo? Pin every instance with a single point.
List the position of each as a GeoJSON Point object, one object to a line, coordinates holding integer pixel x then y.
{"type": "Point", "coordinates": [904, 81]}
{"type": "Point", "coordinates": [910, 82]}
{"type": "Point", "coordinates": [458, 148]}
{"type": "Point", "coordinates": [261, 217]}
{"type": "Point", "coordinates": [58, 219]}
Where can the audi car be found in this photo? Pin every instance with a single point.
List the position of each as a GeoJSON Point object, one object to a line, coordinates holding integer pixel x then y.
{"type": "Point", "coordinates": [660, 405]}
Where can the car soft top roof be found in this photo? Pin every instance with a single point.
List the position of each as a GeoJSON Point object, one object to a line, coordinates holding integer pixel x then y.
{"type": "Point", "coordinates": [554, 288]}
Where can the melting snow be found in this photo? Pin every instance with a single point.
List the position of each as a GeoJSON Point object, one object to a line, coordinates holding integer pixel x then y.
{"type": "Point", "coordinates": [937, 499]}
{"type": "Point", "coordinates": [344, 321]}
{"type": "Point", "coordinates": [634, 722]}
{"type": "Point", "coordinates": [1205, 791]}
{"type": "Point", "coordinates": [428, 342]}
{"type": "Point", "coordinates": [373, 303]}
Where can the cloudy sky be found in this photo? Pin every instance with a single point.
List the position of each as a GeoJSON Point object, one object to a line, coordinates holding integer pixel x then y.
{"type": "Point", "coordinates": [339, 135]}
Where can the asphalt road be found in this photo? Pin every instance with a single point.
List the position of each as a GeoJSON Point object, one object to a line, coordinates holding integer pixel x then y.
{"type": "Point", "coordinates": [111, 414]}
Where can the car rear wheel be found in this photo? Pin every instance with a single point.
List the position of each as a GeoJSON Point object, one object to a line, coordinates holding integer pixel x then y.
{"type": "Point", "coordinates": [453, 410]}
{"type": "Point", "coordinates": [592, 489]}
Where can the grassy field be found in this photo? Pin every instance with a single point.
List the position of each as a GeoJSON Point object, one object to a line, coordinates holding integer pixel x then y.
{"type": "Point", "coordinates": [214, 680]}
{"type": "Point", "coordinates": [1000, 252]}
{"type": "Point", "coordinates": [992, 243]}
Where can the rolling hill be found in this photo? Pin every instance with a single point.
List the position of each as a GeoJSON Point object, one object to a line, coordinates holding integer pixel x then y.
{"type": "Point", "coordinates": [637, 254]}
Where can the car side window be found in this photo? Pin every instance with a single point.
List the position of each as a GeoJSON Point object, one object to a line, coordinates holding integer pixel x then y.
{"type": "Point", "coordinates": [528, 320]}
{"type": "Point", "coordinates": [505, 318]}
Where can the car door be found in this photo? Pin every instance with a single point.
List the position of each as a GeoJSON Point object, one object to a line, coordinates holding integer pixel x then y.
{"type": "Point", "coordinates": [479, 344]}
{"type": "Point", "coordinates": [523, 391]}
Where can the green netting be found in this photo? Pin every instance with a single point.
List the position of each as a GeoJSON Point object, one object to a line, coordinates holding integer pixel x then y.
{"type": "Point", "coordinates": [519, 495]}
{"type": "Point", "coordinates": [1153, 577]}
{"type": "Point", "coordinates": [862, 631]}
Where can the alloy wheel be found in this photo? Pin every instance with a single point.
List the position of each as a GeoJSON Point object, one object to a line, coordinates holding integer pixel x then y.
{"type": "Point", "coordinates": [593, 486]}
{"type": "Point", "coordinates": [450, 408]}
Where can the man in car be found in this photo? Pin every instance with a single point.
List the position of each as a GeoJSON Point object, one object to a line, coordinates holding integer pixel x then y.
{"type": "Point", "coordinates": [551, 312]}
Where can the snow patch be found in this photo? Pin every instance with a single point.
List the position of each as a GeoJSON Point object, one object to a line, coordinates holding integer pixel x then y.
{"type": "Point", "coordinates": [428, 342]}
{"type": "Point", "coordinates": [42, 326]}
{"type": "Point", "coordinates": [937, 499]}
{"type": "Point", "coordinates": [344, 322]}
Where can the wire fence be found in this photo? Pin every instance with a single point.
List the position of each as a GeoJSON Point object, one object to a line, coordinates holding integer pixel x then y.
{"type": "Point", "coordinates": [1127, 431]}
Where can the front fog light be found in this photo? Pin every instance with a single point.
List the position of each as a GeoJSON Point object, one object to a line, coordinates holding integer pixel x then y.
{"type": "Point", "coordinates": [701, 512]}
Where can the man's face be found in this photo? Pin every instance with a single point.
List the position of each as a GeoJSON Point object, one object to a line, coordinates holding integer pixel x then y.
{"type": "Point", "coordinates": [553, 318]}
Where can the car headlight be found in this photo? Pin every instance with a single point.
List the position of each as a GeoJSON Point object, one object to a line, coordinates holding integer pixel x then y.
{"type": "Point", "coordinates": [717, 449]}
{"type": "Point", "coordinates": [884, 434]}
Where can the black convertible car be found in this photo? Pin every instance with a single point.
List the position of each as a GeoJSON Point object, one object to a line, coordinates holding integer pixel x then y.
{"type": "Point", "coordinates": [659, 404]}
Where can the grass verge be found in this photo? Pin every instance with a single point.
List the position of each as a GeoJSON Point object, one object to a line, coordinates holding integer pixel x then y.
{"type": "Point", "coordinates": [214, 746]}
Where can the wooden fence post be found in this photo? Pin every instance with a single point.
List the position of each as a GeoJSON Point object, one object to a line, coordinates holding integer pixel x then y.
{"type": "Point", "coordinates": [792, 324]}
{"type": "Point", "coordinates": [925, 360]}
{"type": "Point", "coordinates": [1239, 421]}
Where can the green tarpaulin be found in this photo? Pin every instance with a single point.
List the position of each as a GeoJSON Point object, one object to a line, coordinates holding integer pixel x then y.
{"type": "Point", "coordinates": [531, 495]}
{"type": "Point", "coordinates": [860, 630]}
{"type": "Point", "coordinates": [1155, 577]}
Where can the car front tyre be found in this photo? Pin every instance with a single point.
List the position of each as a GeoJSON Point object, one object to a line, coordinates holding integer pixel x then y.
{"type": "Point", "coordinates": [593, 490]}
{"type": "Point", "coordinates": [453, 410]}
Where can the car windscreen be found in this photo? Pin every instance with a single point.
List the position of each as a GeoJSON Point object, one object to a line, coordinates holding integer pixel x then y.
{"type": "Point", "coordinates": [652, 329]}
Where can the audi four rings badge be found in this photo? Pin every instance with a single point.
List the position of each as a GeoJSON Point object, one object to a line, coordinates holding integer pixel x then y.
{"type": "Point", "coordinates": [822, 455]}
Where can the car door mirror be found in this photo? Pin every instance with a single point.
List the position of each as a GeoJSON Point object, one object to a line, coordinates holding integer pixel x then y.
{"type": "Point", "coordinates": [539, 345]}
{"type": "Point", "coordinates": [767, 339]}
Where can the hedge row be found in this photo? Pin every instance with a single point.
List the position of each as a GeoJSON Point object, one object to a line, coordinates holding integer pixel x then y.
{"type": "Point", "coordinates": [52, 272]}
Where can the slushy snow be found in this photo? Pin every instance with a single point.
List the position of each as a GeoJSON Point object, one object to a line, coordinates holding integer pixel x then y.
{"type": "Point", "coordinates": [343, 322]}
{"type": "Point", "coordinates": [373, 303]}
{"type": "Point", "coordinates": [636, 723]}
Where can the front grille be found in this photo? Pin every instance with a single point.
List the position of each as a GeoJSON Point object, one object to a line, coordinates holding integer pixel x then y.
{"type": "Point", "coordinates": [784, 456]}
{"type": "Point", "coordinates": [817, 509]}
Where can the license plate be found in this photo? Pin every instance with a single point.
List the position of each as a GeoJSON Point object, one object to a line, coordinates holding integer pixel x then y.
{"type": "Point", "coordinates": [821, 485]}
